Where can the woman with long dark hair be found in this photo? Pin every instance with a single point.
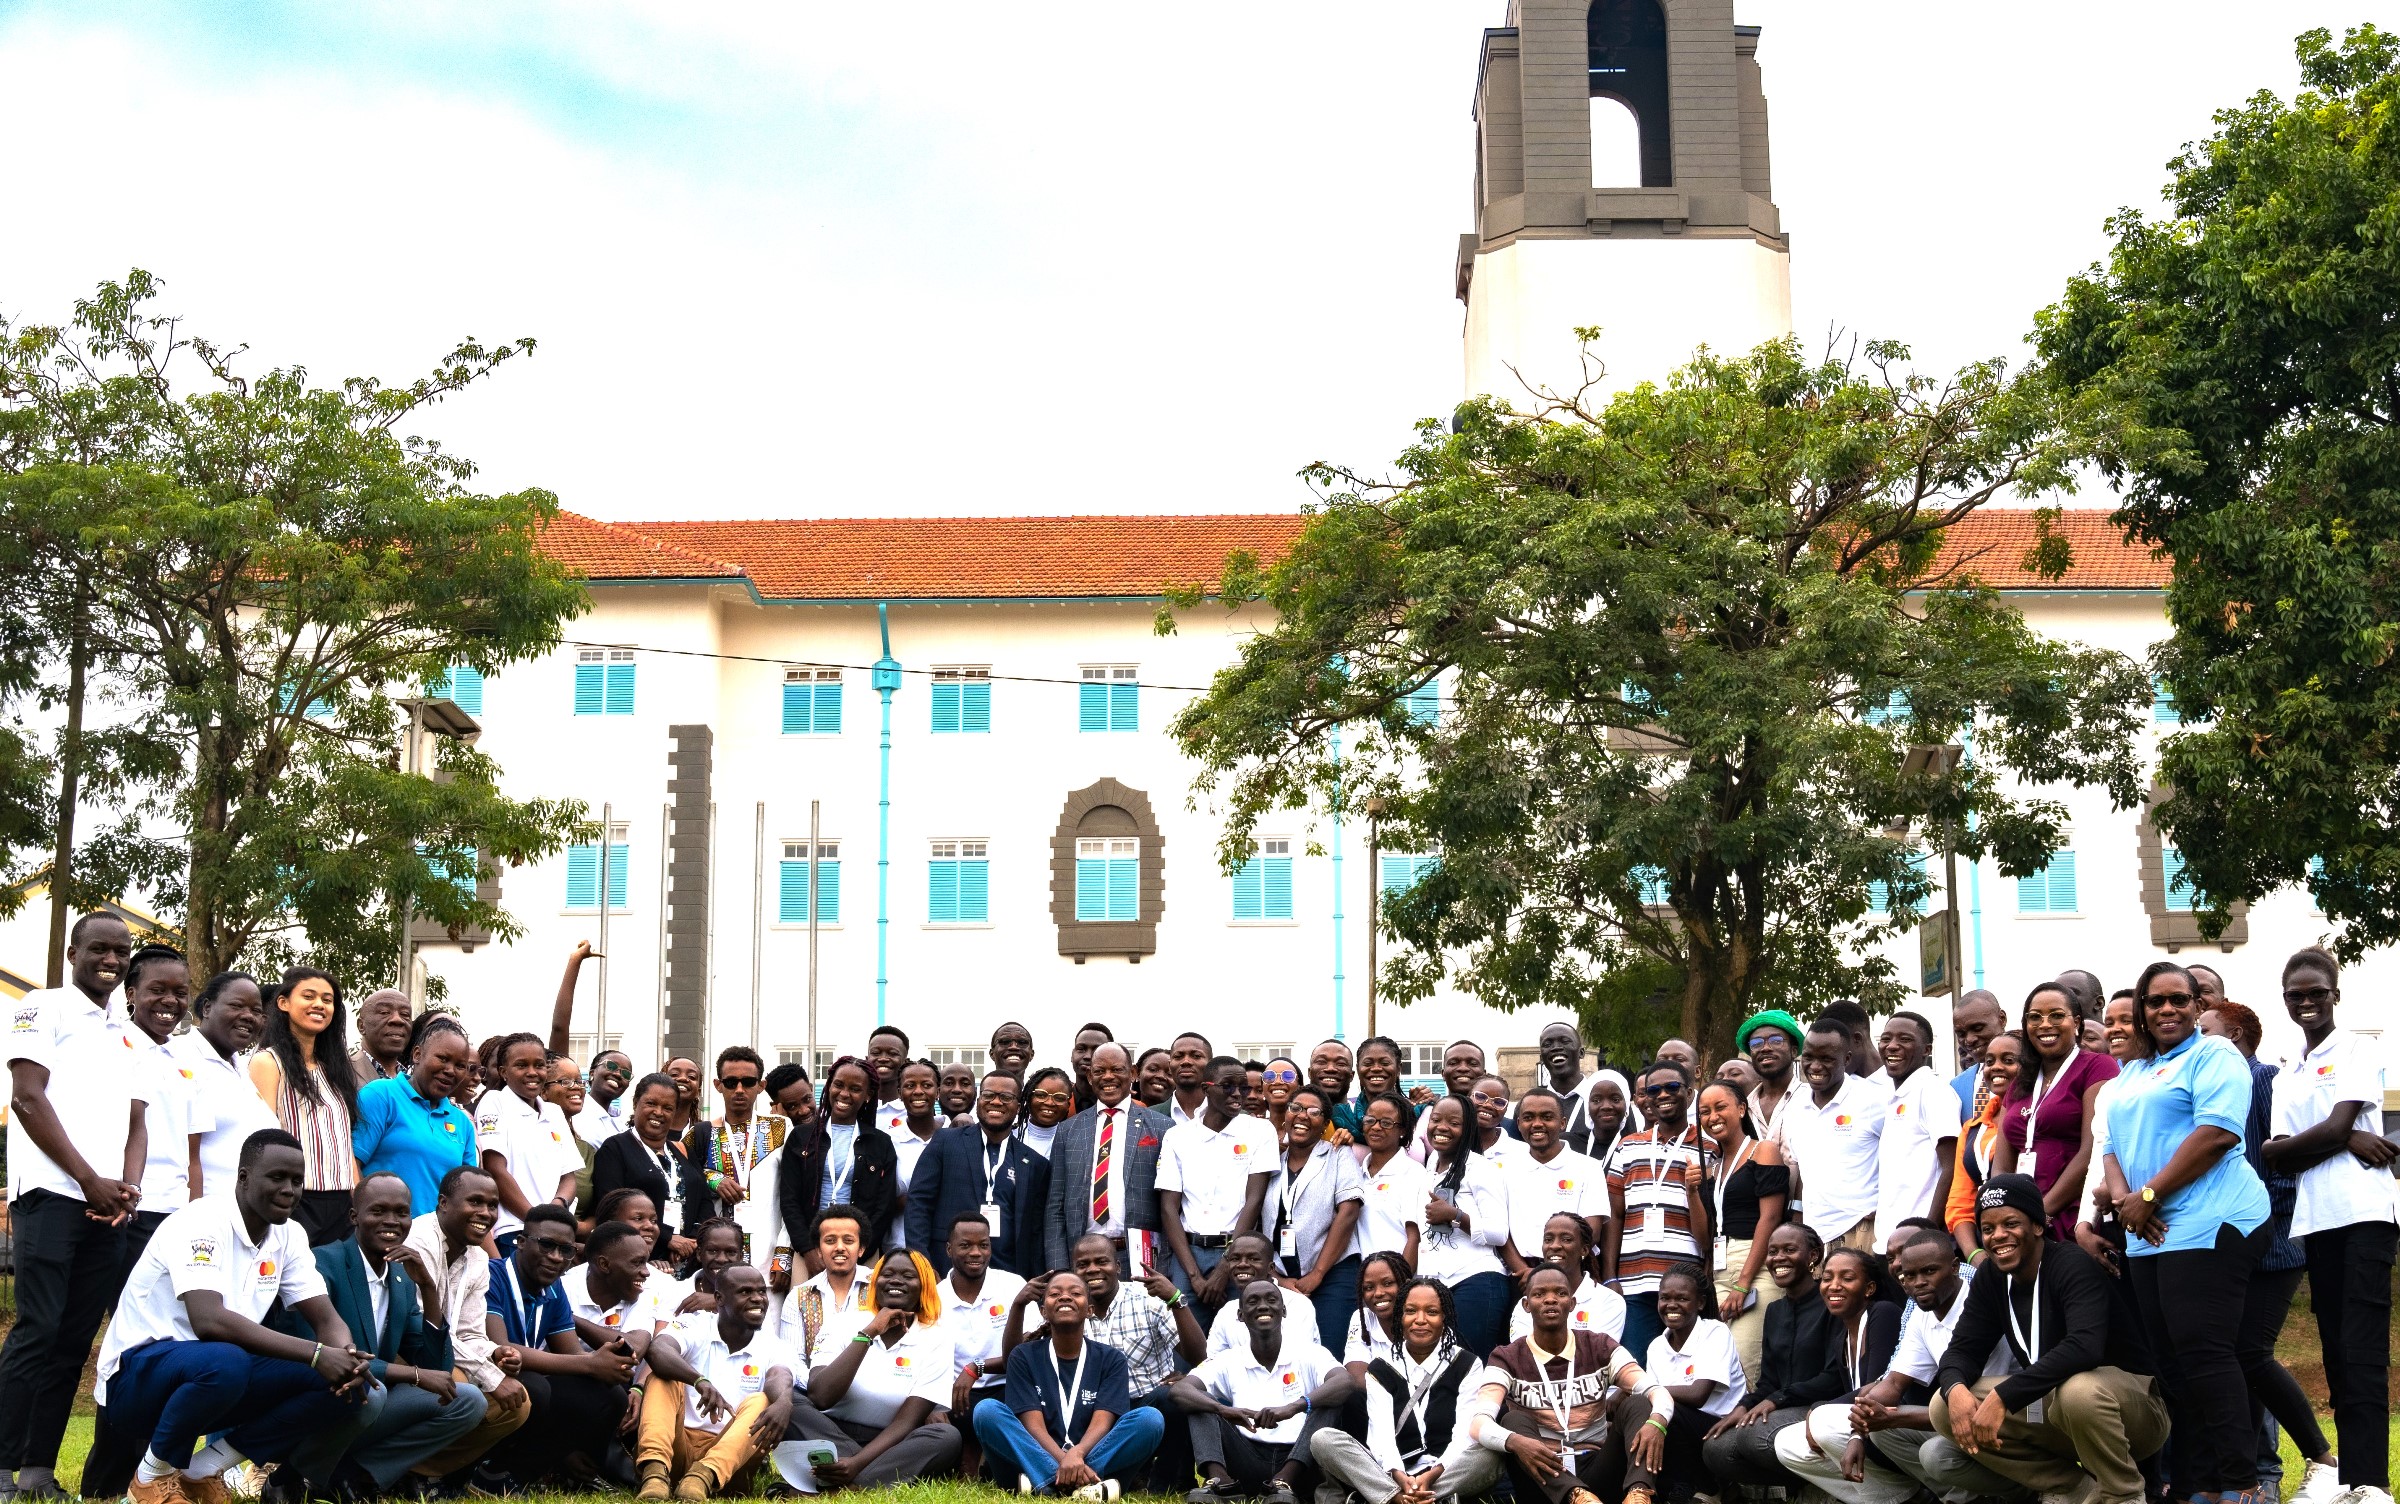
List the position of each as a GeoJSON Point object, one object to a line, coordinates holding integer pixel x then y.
{"type": "Point", "coordinates": [302, 1071]}
{"type": "Point", "coordinates": [1746, 1190]}
{"type": "Point", "coordinates": [1374, 1325]}
{"type": "Point", "coordinates": [2195, 1218]}
{"type": "Point", "coordinates": [840, 1158]}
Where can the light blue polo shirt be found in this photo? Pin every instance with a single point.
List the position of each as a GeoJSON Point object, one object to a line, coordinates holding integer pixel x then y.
{"type": "Point", "coordinates": [400, 1133]}
{"type": "Point", "coordinates": [2201, 1083]}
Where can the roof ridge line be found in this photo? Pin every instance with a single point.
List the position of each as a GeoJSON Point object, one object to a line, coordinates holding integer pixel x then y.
{"type": "Point", "coordinates": [634, 535]}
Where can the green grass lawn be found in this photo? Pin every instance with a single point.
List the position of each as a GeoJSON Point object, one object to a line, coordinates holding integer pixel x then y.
{"type": "Point", "coordinates": [2297, 1347]}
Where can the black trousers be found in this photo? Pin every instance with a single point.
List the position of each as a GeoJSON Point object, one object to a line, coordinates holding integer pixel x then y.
{"type": "Point", "coordinates": [1252, 1460]}
{"type": "Point", "coordinates": [324, 1216]}
{"type": "Point", "coordinates": [571, 1414]}
{"type": "Point", "coordinates": [1685, 1474]}
{"type": "Point", "coordinates": [2192, 1303]}
{"type": "Point", "coordinates": [2350, 1284]}
{"type": "Point", "coordinates": [2272, 1387]}
{"type": "Point", "coordinates": [67, 1274]}
{"type": "Point", "coordinates": [1171, 1464]}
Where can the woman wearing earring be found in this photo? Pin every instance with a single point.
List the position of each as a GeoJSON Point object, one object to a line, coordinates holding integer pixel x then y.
{"type": "Point", "coordinates": [302, 1072]}
{"type": "Point", "coordinates": [1746, 1190]}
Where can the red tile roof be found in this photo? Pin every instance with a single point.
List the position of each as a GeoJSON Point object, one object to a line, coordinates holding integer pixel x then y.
{"type": "Point", "coordinates": [1992, 545]}
{"type": "Point", "coordinates": [1054, 558]}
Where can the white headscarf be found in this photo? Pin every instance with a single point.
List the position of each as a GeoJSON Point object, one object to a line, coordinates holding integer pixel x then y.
{"type": "Point", "coordinates": [1633, 1112]}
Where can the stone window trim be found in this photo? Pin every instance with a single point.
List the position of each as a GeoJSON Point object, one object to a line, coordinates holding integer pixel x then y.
{"type": "Point", "coordinates": [2171, 930]}
{"type": "Point", "coordinates": [1107, 808]}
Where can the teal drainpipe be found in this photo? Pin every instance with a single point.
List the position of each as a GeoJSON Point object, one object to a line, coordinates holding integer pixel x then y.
{"type": "Point", "coordinates": [1337, 887]}
{"type": "Point", "coordinates": [1974, 877]}
{"type": "Point", "coordinates": [886, 679]}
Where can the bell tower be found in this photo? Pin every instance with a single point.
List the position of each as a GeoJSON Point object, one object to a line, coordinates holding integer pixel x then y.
{"type": "Point", "coordinates": [1620, 180]}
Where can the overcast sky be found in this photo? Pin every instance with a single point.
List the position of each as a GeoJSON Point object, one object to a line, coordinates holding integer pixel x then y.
{"type": "Point", "coordinates": [832, 260]}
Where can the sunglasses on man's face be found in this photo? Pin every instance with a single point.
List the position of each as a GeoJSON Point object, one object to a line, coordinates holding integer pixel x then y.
{"type": "Point", "coordinates": [555, 1247]}
{"type": "Point", "coordinates": [737, 1083]}
{"type": "Point", "coordinates": [1663, 1089]}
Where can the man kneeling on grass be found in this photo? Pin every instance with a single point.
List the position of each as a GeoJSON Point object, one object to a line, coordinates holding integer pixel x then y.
{"type": "Point", "coordinates": [719, 1394]}
{"type": "Point", "coordinates": [1255, 1411]}
{"type": "Point", "coordinates": [1066, 1424]}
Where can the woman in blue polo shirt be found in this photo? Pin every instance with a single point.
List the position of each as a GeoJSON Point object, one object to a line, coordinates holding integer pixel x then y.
{"type": "Point", "coordinates": [408, 1125]}
{"type": "Point", "coordinates": [2195, 1217]}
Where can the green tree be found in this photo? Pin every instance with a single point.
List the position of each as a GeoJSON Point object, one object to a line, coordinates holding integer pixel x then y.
{"type": "Point", "coordinates": [288, 567]}
{"type": "Point", "coordinates": [2247, 346]}
{"type": "Point", "coordinates": [1668, 636]}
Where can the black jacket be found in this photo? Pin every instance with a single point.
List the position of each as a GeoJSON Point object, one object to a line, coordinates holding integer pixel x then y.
{"type": "Point", "coordinates": [874, 1182]}
{"type": "Point", "coordinates": [624, 1160]}
{"type": "Point", "coordinates": [948, 1181]}
{"type": "Point", "coordinates": [1791, 1348]}
{"type": "Point", "coordinates": [1833, 1380]}
{"type": "Point", "coordinates": [2086, 1323]}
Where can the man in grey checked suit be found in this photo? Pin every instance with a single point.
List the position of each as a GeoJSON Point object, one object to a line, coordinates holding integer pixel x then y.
{"type": "Point", "coordinates": [1126, 1200]}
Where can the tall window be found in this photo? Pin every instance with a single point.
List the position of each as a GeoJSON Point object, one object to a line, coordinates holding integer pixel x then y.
{"type": "Point", "coordinates": [1616, 144]}
{"type": "Point", "coordinates": [2052, 889]}
{"type": "Point", "coordinates": [791, 900]}
{"type": "Point", "coordinates": [461, 686]}
{"type": "Point", "coordinates": [583, 872]}
{"type": "Point", "coordinates": [1262, 886]}
{"type": "Point", "coordinates": [2163, 709]}
{"type": "Point", "coordinates": [1401, 873]}
{"type": "Point", "coordinates": [2178, 880]}
{"type": "Point", "coordinates": [962, 699]}
{"type": "Point", "coordinates": [812, 702]}
{"type": "Point", "coordinates": [1425, 702]}
{"type": "Point", "coordinates": [958, 883]}
{"type": "Point", "coordinates": [1110, 699]}
{"type": "Point", "coordinates": [1108, 879]}
{"type": "Point", "coordinates": [604, 681]}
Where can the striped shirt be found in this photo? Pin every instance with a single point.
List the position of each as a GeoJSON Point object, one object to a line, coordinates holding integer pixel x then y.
{"type": "Point", "coordinates": [323, 1128]}
{"type": "Point", "coordinates": [1652, 1175]}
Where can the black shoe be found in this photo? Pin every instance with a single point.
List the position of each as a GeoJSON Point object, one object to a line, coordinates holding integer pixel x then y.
{"type": "Point", "coordinates": [490, 1483]}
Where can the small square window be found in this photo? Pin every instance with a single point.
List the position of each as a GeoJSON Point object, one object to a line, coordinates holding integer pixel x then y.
{"type": "Point", "coordinates": [812, 702]}
{"type": "Point", "coordinates": [1109, 698]}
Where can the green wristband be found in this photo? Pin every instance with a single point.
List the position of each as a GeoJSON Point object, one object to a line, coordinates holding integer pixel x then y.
{"type": "Point", "coordinates": [1655, 1421]}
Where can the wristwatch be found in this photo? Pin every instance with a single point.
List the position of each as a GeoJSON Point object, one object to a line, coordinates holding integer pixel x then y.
{"type": "Point", "coordinates": [2148, 1194]}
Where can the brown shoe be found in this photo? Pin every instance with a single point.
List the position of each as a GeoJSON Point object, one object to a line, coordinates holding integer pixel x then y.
{"type": "Point", "coordinates": [693, 1487]}
{"type": "Point", "coordinates": [656, 1484]}
{"type": "Point", "coordinates": [167, 1490]}
{"type": "Point", "coordinates": [209, 1490]}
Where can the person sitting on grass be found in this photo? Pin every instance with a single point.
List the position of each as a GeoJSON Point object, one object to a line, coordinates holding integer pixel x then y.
{"type": "Point", "coordinates": [1545, 1407]}
{"type": "Point", "coordinates": [1067, 1424]}
{"type": "Point", "coordinates": [1255, 1411]}
{"type": "Point", "coordinates": [878, 1390]}
{"type": "Point", "coordinates": [1417, 1397]}
{"type": "Point", "coordinates": [719, 1394]}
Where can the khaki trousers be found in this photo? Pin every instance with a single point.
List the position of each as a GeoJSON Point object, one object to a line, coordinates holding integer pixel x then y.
{"type": "Point", "coordinates": [2101, 1422]}
{"type": "Point", "coordinates": [498, 1424]}
{"type": "Point", "coordinates": [718, 1456]}
{"type": "Point", "coordinates": [1750, 1328]}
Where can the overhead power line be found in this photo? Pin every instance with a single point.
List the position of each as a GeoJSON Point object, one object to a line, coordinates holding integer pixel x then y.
{"type": "Point", "coordinates": [635, 647]}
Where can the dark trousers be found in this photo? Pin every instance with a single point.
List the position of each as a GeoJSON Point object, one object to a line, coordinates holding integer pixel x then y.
{"type": "Point", "coordinates": [2272, 1387]}
{"type": "Point", "coordinates": [1601, 1463]}
{"type": "Point", "coordinates": [324, 1216]}
{"type": "Point", "coordinates": [927, 1452]}
{"type": "Point", "coordinates": [1746, 1454]}
{"type": "Point", "coordinates": [1336, 1301]}
{"type": "Point", "coordinates": [571, 1414]}
{"type": "Point", "coordinates": [1641, 1322]}
{"type": "Point", "coordinates": [1251, 1460]}
{"type": "Point", "coordinates": [67, 1274]}
{"type": "Point", "coordinates": [138, 1229]}
{"type": "Point", "coordinates": [2350, 1284]}
{"type": "Point", "coordinates": [2192, 1303]}
{"type": "Point", "coordinates": [1481, 1301]}
{"type": "Point", "coordinates": [1685, 1474]}
{"type": "Point", "coordinates": [174, 1393]}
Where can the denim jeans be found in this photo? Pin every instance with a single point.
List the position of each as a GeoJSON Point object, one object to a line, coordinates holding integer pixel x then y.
{"type": "Point", "coordinates": [1122, 1454]}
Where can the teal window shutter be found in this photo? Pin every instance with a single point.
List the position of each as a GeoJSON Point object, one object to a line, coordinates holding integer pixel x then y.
{"type": "Point", "coordinates": [466, 874]}
{"type": "Point", "coordinates": [1249, 890]}
{"type": "Point", "coordinates": [1124, 707]}
{"type": "Point", "coordinates": [1124, 887]}
{"type": "Point", "coordinates": [583, 877]}
{"type": "Point", "coordinates": [620, 689]}
{"type": "Point", "coordinates": [617, 853]}
{"type": "Point", "coordinates": [1276, 898]}
{"type": "Point", "coordinates": [945, 706]}
{"type": "Point", "coordinates": [1425, 703]}
{"type": "Point", "coordinates": [1401, 873]}
{"type": "Point", "coordinates": [2051, 890]}
{"type": "Point", "coordinates": [791, 893]}
{"type": "Point", "coordinates": [1894, 708]}
{"type": "Point", "coordinates": [829, 707]}
{"type": "Point", "coordinates": [590, 696]}
{"type": "Point", "coordinates": [463, 686]}
{"type": "Point", "coordinates": [974, 890]}
{"type": "Point", "coordinates": [2178, 884]}
{"type": "Point", "coordinates": [1091, 707]}
{"type": "Point", "coordinates": [1652, 882]}
{"type": "Point", "coordinates": [1091, 889]}
{"type": "Point", "coordinates": [2163, 709]}
{"type": "Point", "coordinates": [829, 891]}
{"type": "Point", "coordinates": [799, 706]}
{"type": "Point", "coordinates": [975, 706]}
{"type": "Point", "coordinates": [1880, 894]}
{"type": "Point", "coordinates": [941, 892]}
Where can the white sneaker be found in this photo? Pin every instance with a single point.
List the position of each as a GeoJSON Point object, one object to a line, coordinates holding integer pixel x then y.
{"type": "Point", "coordinates": [2321, 1484]}
{"type": "Point", "coordinates": [2365, 1494]}
{"type": "Point", "coordinates": [1105, 1490]}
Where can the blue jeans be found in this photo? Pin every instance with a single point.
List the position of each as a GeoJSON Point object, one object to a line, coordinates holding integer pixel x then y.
{"type": "Point", "coordinates": [1481, 1301]}
{"type": "Point", "coordinates": [1207, 1259]}
{"type": "Point", "coordinates": [1121, 1454]}
{"type": "Point", "coordinates": [1336, 1301]}
{"type": "Point", "coordinates": [402, 1426]}
{"type": "Point", "coordinates": [177, 1392]}
{"type": "Point", "coordinates": [1642, 1326]}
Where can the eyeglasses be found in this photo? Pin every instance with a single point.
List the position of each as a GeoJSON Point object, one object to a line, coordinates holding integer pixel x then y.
{"type": "Point", "coordinates": [2309, 995]}
{"type": "Point", "coordinates": [1663, 1089]}
{"type": "Point", "coordinates": [557, 1246]}
{"type": "Point", "coordinates": [1053, 1096]}
{"type": "Point", "coordinates": [1279, 1075]}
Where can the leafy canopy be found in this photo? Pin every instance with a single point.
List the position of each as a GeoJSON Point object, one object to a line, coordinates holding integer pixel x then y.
{"type": "Point", "coordinates": [287, 566]}
{"type": "Point", "coordinates": [1659, 628]}
{"type": "Point", "coordinates": [2247, 348]}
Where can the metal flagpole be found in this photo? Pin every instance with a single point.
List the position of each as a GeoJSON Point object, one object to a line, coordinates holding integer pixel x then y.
{"type": "Point", "coordinates": [812, 942]}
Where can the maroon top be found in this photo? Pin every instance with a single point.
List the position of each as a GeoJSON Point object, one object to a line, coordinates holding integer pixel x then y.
{"type": "Point", "coordinates": [2057, 1123]}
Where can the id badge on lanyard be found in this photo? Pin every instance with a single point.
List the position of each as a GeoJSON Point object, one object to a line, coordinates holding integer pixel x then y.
{"type": "Point", "coordinates": [2031, 1343]}
{"type": "Point", "coordinates": [991, 1197]}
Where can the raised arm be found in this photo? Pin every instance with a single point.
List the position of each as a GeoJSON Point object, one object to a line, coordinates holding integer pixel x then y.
{"type": "Point", "coordinates": [562, 1009]}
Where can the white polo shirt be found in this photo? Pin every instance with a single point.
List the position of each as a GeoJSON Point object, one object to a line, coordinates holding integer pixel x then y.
{"type": "Point", "coordinates": [976, 1326]}
{"type": "Point", "coordinates": [640, 1314]}
{"type": "Point", "coordinates": [1835, 1149]}
{"type": "Point", "coordinates": [205, 1246]}
{"type": "Point", "coordinates": [534, 1139]}
{"type": "Point", "coordinates": [228, 1110]}
{"type": "Point", "coordinates": [1922, 1112]}
{"type": "Point", "coordinates": [1570, 1182]}
{"type": "Point", "coordinates": [1236, 1377]}
{"type": "Point", "coordinates": [737, 1372]}
{"type": "Point", "coordinates": [1213, 1170]}
{"type": "Point", "coordinates": [91, 1089]}
{"type": "Point", "coordinates": [1395, 1202]}
{"type": "Point", "coordinates": [2337, 1191]}
{"type": "Point", "coordinates": [1706, 1354]}
{"type": "Point", "coordinates": [171, 1114]}
{"type": "Point", "coordinates": [1226, 1331]}
{"type": "Point", "coordinates": [1925, 1337]}
{"type": "Point", "coordinates": [921, 1365]}
{"type": "Point", "coordinates": [597, 1124]}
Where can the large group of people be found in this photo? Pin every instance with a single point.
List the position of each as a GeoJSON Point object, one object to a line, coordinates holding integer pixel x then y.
{"type": "Point", "coordinates": [351, 1252]}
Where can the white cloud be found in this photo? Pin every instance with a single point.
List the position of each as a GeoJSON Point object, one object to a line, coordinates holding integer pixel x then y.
{"type": "Point", "coordinates": [952, 258]}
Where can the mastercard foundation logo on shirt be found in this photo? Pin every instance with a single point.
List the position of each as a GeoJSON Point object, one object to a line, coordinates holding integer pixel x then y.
{"type": "Point", "coordinates": [266, 1268]}
{"type": "Point", "coordinates": [2322, 1072]}
{"type": "Point", "coordinates": [1841, 1120]}
{"type": "Point", "coordinates": [612, 1318]}
{"type": "Point", "coordinates": [749, 1370]}
{"type": "Point", "coordinates": [1899, 1109]}
{"type": "Point", "coordinates": [996, 1310]}
{"type": "Point", "coordinates": [900, 1361]}
{"type": "Point", "coordinates": [1290, 1379]}
{"type": "Point", "coordinates": [1566, 1185]}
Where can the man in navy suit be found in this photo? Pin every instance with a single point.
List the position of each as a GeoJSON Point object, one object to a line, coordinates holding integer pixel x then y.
{"type": "Point", "coordinates": [980, 1167]}
{"type": "Point", "coordinates": [392, 1304]}
{"type": "Point", "coordinates": [1104, 1166]}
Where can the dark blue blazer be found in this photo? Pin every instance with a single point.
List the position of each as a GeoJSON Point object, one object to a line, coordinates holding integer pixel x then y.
{"type": "Point", "coordinates": [949, 1181]}
{"type": "Point", "coordinates": [406, 1336]}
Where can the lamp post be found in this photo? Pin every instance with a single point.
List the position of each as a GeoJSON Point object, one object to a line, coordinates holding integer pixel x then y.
{"type": "Point", "coordinates": [1941, 761]}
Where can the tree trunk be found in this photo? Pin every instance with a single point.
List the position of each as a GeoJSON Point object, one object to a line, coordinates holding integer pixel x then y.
{"type": "Point", "coordinates": [70, 780]}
